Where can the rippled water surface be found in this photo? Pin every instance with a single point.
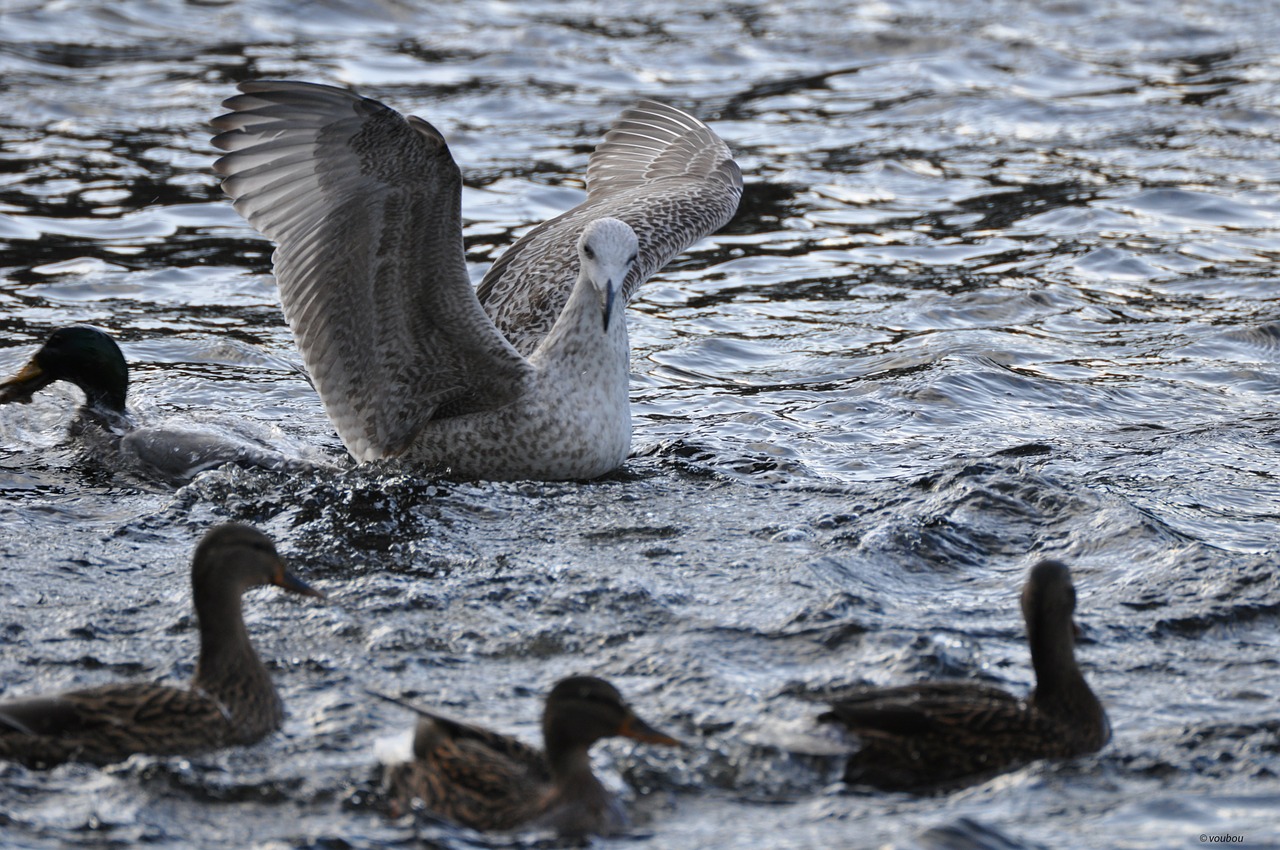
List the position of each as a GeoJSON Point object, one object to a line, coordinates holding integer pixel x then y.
{"type": "Point", "coordinates": [1001, 287]}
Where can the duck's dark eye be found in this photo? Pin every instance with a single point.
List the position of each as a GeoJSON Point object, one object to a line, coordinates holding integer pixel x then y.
{"type": "Point", "coordinates": [588, 252]}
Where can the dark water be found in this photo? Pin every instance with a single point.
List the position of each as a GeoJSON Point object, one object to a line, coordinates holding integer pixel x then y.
{"type": "Point", "coordinates": [1001, 287]}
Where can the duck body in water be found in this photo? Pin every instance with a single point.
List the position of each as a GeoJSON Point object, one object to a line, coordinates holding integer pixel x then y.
{"type": "Point", "coordinates": [90, 359]}
{"type": "Point", "coordinates": [488, 781]}
{"type": "Point", "coordinates": [934, 736]}
{"type": "Point", "coordinates": [231, 700]}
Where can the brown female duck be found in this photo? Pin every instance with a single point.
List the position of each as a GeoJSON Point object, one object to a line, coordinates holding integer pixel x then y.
{"type": "Point", "coordinates": [936, 735]}
{"type": "Point", "coordinates": [230, 702]}
{"type": "Point", "coordinates": [488, 781]}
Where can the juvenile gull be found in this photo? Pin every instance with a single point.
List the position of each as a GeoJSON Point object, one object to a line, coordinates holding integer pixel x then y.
{"type": "Point", "coordinates": [525, 377]}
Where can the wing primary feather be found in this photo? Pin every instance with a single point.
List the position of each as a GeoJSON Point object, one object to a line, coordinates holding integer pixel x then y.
{"type": "Point", "coordinates": [364, 207]}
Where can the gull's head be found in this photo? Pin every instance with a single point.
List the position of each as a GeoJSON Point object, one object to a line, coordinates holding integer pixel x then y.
{"type": "Point", "coordinates": [606, 251]}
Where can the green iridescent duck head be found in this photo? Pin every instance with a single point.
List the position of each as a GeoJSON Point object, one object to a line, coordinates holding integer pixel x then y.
{"type": "Point", "coordinates": [82, 355]}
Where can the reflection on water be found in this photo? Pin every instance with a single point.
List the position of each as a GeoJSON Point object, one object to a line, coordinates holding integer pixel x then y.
{"type": "Point", "coordinates": [1001, 286]}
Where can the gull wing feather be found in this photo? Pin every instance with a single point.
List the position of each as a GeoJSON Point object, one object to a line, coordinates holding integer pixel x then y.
{"type": "Point", "coordinates": [364, 206]}
{"type": "Point", "coordinates": [658, 169]}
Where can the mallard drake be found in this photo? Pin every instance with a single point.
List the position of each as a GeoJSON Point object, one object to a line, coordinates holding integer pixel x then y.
{"type": "Point", "coordinates": [522, 377]}
{"type": "Point", "coordinates": [230, 702]}
{"type": "Point", "coordinates": [943, 734]}
{"type": "Point", "coordinates": [487, 781]}
{"type": "Point", "coordinates": [89, 358]}
{"type": "Point", "coordinates": [81, 355]}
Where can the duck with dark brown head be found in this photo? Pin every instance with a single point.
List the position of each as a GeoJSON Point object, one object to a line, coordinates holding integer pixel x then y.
{"type": "Point", "coordinates": [933, 736]}
{"type": "Point", "coordinates": [230, 702]}
{"type": "Point", "coordinates": [488, 781]}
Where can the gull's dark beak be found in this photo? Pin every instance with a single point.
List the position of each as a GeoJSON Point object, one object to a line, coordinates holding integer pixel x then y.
{"type": "Point", "coordinates": [609, 298]}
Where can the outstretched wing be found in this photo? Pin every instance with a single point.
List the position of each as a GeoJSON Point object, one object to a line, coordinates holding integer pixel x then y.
{"type": "Point", "coordinates": [660, 170]}
{"type": "Point", "coordinates": [364, 207]}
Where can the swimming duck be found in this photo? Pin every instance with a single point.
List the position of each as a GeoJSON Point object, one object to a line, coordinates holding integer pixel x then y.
{"type": "Point", "coordinates": [84, 356]}
{"type": "Point", "coordinates": [938, 735]}
{"type": "Point", "coordinates": [230, 702]}
{"type": "Point", "coordinates": [488, 781]}
{"type": "Point", "coordinates": [524, 377]}
{"type": "Point", "coordinates": [89, 358]}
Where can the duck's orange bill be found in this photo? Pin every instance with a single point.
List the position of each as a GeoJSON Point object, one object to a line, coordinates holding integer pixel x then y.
{"type": "Point", "coordinates": [634, 727]}
{"type": "Point", "coordinates": [293, 584]}
{"type": "Point", "coordinates": [20, 387]}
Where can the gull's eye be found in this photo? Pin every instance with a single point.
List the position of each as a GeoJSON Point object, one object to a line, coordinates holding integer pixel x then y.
{"type": "Point", "coordinates": [588, 252]}
{"type": "Point", "coordinates": [632, 259]}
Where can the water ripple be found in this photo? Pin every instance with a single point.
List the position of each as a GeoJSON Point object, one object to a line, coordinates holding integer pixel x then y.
{"type": "Point", "coordinates": [1001, 287]}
